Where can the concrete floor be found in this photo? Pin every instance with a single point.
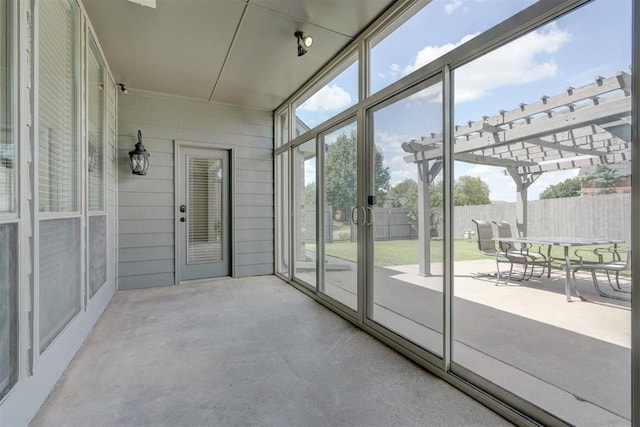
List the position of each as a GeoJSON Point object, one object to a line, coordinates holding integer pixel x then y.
{"type": "Point", "coordinates": [251, 351]}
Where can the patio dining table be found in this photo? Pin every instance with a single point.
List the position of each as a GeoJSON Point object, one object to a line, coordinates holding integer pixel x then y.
{"type": "Point", "coordinates": [566, 243]}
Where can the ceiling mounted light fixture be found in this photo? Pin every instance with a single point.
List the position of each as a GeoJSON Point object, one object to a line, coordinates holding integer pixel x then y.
{"type": "Point", "coordinates": [304, 42]}
{"type": "Point", "coordinates": [148, 3]}
{"type": "Point", "coordinates": [123, 88]}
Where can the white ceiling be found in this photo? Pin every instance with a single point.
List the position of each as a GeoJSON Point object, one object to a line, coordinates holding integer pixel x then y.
{"type": "Point", "coordinates": [234, 51]}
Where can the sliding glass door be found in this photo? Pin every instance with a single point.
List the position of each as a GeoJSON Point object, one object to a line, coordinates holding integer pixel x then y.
{"type": "Point", "coordinates": [549, 167]}
{"type": "Point", "coordinates": [304, 199]}
{"type": "Point", "coordinates": [405, 215]}
{"type": "Point", "coordinates": [339, 213]}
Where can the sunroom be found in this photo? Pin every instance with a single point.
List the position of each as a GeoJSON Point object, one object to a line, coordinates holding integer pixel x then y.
{"type": "Point", "coordinates": [345, 150]}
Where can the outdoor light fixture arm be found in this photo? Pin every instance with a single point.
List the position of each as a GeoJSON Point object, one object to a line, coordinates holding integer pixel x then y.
{"type": "Point", "coordinates": [304, 42]}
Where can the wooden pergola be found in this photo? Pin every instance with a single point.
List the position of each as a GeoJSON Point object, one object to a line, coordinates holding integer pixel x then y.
{"type": "Point", "coordinates": [583, 126]}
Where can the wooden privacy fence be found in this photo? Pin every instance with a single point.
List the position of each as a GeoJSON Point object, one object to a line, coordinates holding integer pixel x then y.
{"type": "Point", "coordinates": [606, 216]}
{"type": "Point", "coordinates": [309, 224]}
{"type": "Point", "coordinates": [393, 224]}
{"type": "Point", "coordinates": [389, 224]}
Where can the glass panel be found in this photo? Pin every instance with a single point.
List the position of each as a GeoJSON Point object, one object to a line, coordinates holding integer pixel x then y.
{"type": "Point", "coordinates": [97, 253]}
{"type": "Point", "coordinates": [95, 150]}
{"type": "Point", "coordinates": [282, 218]}
{"type": "Point", "coordinates": [407, 248]}
{"type": "Point", "coordinates": [304, 182]}
{"type": "Point", "coordinates": [340, 197]}
{"type": "Point", "coordinates": [332, 98]}
{"type": "Point", "coordinates": [8, 307]}
{"type": "Point", "coordinates": [57, 139]}
{"type": "Point", "coordinates": [282, 129]}
{"type": "Point", "coordinates": [439, 27]}
{"type": "Point", "coordinates": [8, 167]}
{"type": "Point", "coordinates": [545, 147]}
{"type": "Point", "coordinates": [204, 189]}
{"type": "Point", "coordinates": [59, 276]}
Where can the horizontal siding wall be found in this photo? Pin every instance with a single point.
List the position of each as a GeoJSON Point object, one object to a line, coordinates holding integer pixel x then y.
{"type": "Point", "coordinates": [146, 207]}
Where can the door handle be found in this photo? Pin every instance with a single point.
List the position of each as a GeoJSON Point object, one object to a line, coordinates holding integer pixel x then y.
{"type": "Point", "coordinates": [354, 219]}
{"type": "Point", "coordinates": [370, 217]}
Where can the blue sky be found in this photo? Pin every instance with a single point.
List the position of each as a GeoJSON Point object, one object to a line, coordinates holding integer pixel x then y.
{"type": "Point", "coordinates": [571, 51]}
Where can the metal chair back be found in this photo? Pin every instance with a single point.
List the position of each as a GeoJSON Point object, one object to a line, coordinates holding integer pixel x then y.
{"type": "Point", "coordinates": [484, 235]}
{"type": "Point", "coordinates": [504, 230]}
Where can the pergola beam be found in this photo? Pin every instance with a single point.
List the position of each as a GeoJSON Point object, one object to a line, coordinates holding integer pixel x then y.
{"type": "Point", "coordinates": [572, 96]}
{"type": "Point", "coordinates": [565, 148]}
{"type": "Point", "coordinates": [620, 157]}
{"type": "Point", "coordinates": [491, 161]}
{"type": "Point", "coordinates": [584, 116]}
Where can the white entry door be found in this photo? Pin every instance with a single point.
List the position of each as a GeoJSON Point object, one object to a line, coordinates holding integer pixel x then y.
{"type": "Point", "coordinates": [203, 211]}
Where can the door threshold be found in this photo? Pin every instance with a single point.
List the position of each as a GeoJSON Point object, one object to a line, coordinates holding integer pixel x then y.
{"type": "Point", "coordinates": [206, 279]}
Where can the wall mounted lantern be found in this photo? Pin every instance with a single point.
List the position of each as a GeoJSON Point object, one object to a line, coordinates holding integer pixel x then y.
{"type": "Point", "coordinates": [139, 158]}
{"type": "Point", "coordinates": [304, 42]}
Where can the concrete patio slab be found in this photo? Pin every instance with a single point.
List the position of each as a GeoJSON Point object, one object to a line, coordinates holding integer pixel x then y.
{"type": "Point", "coordinates": [251, 351]}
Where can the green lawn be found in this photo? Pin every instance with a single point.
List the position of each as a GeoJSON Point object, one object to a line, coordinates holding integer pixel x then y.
{"type": "Point", "coordinates": [399, 252]}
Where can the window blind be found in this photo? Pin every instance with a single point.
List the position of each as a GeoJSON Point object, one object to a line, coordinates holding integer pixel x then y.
{"type": "Point", "coordinates": [57, 139]}
{"type": "Point", "coordinates": [97, 253]}
{"type": "Point", "coordinates": [7, 146]}
{"type": "Point", "coordinates": [8, 307]}
{"type": "Point", "coordinates": [95, 149]}
{"type": "Point", "coordinates": [59, 281]}
{"type": "Point", "coordinates": [59, 276]}
{"type": "Point", "coordinates": [204, 214]}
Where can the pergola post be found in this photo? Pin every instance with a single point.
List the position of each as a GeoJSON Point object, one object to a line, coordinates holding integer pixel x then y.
{"type": "Point", "coordinates": [424, 220]}
{"type": "Point", "coordinates": [426, 176]}
{"type": "Point", "coordinates": [522, 185]}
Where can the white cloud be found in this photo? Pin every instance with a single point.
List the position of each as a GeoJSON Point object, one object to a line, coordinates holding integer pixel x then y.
{"type": "Point", "coordinates": [430, 94]}
{"type": "Point", "coordinates": [329, 98]}
{"type": "Point", "coordinates": [514, 64]}
{"type": "Point", "coordinates": [450, 7]}
{"type": "Point", "coordinates": [309, 172]}
{"type": "Point", "coordinates": [395, 69]}
{"type": "Point", "coordinates": [389, 141]}
{"type": "Point", "coordinates": [429, 53]}
{"type": "Point", "coordinates": [381, 75]}
{"type": "Point", "coordinates": [393, 156]}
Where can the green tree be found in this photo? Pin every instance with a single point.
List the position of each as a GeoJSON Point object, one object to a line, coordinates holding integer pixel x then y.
{"type": "Point", "coordinates": [604, 178]}
{"type": "Point", "coordinates": [436, 202]}
{"type": "Point", "coordinates": [405, 195]}
{"type": "Point", "coordinates": [310, 194]}
{"type": "Point", "coordinates": [568, 188]}
{"type": "Point", "coordinates": [470, 190]}
{"type": "Point", "coordinates": [340, 173]}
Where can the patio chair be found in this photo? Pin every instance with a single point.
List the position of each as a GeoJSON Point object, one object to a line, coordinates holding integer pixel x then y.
{"type": "Point", "coordinates": [534, 258]}
{"type": "Point", "coordinates": [487, 246]}
{"type": "Point", "coordinates": [610, 260]}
